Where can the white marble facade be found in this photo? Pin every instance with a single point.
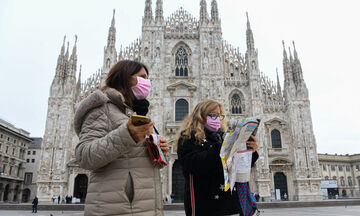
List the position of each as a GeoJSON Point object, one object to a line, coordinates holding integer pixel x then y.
{"type": "Point", "coordinates": [189, 60]}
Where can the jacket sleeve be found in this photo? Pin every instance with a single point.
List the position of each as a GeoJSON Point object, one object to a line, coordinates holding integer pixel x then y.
{"type": "Point", "coordinates": [97, 145]}
{"type": "Point", "coordinates": [195, 159]}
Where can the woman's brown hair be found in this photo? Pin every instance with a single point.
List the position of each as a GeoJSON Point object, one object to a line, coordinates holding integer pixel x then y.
{"type": "Point", "coordinates": [119, 78]}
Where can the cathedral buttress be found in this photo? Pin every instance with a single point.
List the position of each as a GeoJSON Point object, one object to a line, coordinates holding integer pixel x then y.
{"type": "Point", "coordinates": [306, 173]}
{"type": "Point", "coordinates": [253, 72]}
{"type": "Point", "coordinates": [57, 146]}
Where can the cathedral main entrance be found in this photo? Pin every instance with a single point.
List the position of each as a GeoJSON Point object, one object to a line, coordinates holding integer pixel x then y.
{"type": "Point", "coordinates": [178, 183]}
{"type": "Point", "coordinates": [280, 182]}
{"type": "Point", "coordinates": [80, 188]}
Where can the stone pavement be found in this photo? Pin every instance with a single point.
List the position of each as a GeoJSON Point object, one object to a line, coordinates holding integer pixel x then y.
{"type": "Point", "coordinates": [309, 211]}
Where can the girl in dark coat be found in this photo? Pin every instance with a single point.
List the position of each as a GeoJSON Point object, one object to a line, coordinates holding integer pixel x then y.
{"type": "Point", "coordinates": [199, 142]}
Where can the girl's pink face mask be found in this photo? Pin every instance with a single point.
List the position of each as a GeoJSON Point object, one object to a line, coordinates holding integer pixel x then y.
{"type": "Point", "coordinates": [142, 89]}
{"type": "Point", "coordinates": [212, 124]}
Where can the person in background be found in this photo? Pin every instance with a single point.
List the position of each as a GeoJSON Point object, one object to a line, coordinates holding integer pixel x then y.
{"type": "Point", "coordinates": [35, 203]}
{"type": "Point", "coordinates": [199, 142]}
{"type": "Point", "coordinates": [257, 197]}
{"type": "Point", "coordinates": [123, 180]}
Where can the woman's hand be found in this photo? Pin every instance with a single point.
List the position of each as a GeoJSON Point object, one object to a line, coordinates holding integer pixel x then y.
{"type": "Point", "coordinates": [253, 144]}
{"type": "Point", "coordinates": [164, 145]}
{"type": "Point", "coordinates": [138, 133]}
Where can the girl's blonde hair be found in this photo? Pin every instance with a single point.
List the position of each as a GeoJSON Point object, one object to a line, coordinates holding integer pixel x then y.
{"type": "Point", "coordinates": [196, 120]}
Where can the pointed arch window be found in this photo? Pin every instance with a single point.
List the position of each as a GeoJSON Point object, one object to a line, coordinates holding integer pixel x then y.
{"type": "Point", "coordinates": [181, 62]}
{"type": "Point", "coordinates": [275, 138]}
{"type": "Point", "coordinates": [235, 104]}
{"type": "Point", "coordinates": [181, 109]}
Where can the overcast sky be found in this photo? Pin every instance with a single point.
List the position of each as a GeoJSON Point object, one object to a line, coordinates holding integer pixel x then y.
{"type": "Point", "coordinates": [326, 34]}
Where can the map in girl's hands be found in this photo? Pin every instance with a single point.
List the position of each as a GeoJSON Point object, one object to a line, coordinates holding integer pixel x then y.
{"type": "Point", "coordinates": [235, 157]}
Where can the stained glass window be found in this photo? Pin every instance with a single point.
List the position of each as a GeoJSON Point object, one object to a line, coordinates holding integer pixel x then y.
{"type": "Point", "coordinates": [235, 104]}
{"type": "Point", "coordinates": [181, 62]}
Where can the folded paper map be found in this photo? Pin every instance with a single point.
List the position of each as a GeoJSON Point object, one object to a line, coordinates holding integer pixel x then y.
{"type": "Point", "coordinates": [235, 157]}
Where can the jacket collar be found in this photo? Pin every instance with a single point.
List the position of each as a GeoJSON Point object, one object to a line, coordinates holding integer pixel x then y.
{"type": "Point", "coordinates": [97, 99]}
{"type": "Point", "coordinates": [118, 99]}
{"type": "Point", "coordinates": [213, 136]}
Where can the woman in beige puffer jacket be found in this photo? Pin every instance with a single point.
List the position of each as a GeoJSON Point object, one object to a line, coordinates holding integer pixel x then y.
{"type": "Point", "coordinates": [123, 180]}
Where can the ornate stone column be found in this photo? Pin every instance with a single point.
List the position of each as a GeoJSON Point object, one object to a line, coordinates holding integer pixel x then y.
{"type": "Point", "coordinates": [11, 192]}
{"type": "Point", "coordinates": [170, 167]}
{"type": "Point", "coordinates": [71, 182]}
{"type": "Point", "coordinates": [2, 193]}
{"type": "Point", "coordinates": [20, 192]}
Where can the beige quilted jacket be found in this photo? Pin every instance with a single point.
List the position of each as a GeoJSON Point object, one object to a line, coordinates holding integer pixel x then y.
{"type": "Point", "coordinates": [123, 180]}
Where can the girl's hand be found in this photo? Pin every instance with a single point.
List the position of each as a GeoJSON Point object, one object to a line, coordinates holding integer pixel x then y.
{"type": "Point", "coordinates": [253, 144]}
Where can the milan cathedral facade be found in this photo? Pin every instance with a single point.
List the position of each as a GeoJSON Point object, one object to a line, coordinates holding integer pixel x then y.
{"type": "Point", "coordinates": [190, 61]}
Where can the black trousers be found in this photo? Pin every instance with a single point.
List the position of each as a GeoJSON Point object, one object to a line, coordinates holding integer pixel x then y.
{"type": "Point", "coordinates": [34, 208]}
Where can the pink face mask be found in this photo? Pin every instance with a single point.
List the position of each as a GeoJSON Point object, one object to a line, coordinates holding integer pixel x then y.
{"type": "Point", "coordinates": [212, 124]}
{"type": "Point", "coordinates": [142, 89]}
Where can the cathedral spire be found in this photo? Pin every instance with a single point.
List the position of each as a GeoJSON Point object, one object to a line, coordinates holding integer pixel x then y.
{"type": "Point", "coordinates": [60, 61]}
{"type": "Point", "coordinates": [63, 46]}
{"type": "Point", "coordinates": [112, 32]}
{"type": "Point", "coordinates": [278, 82]}
{"type": "Point", "coordinates": [298, 74]}
{"type": "Point", "coordinates": [67, 52]}
{"type": "Point", "coordinates": [74, 47]}
{"type": "Point", "coordinates": [78, 85]}
{"type": "Point", "coordinates": [214, 12]}
{"type": "Point", "coordinates": [249, 36]}
{"type": "Point", "coordinates": [291, 58]}
{"type": "Point", "coordinates": [295, 53]}
{"type": "Point", "coordinates": [148, 17]}
{"type": "Point", "coordinates": [66, 62]}
{"type": "Point", "coordinates": [284, 51]}
{"type": "Point", "coordinates": [159, 11]}
{"type": "Point", "coordinates": [203, 12]}
{"type": "Point", "coordinates": [73, 59]}
{"type": "Point", "coordinates": [286, 67]}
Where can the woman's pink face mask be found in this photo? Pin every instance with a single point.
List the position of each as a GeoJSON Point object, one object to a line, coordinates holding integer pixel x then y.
{"type": "Point", "coordinates": [213, 124]}
{"type": "Point", "coordinates": [142, 89]}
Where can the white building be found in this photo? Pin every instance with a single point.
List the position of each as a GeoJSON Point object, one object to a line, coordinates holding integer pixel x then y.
{"type": "Point", "coordinates": [190, 61]}
{"type": "Point", "coordinates": [343, 171]}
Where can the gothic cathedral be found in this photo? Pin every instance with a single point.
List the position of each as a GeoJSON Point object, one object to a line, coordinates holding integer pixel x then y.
{"type": "Point", "coordinates": [190, 61]}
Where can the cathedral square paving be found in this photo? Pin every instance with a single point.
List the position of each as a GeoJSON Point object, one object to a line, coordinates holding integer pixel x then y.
{"type": "Point", "coordinates": [316, 211]}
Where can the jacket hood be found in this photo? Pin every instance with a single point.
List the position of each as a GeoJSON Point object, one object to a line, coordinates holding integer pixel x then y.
{"type": "Point", "coordinates": [95, 100]}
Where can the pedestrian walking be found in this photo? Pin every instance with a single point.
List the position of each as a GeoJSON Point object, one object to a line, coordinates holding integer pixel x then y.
{"type": "Point", "coordinates": [35, 203]}
{"type": "Point", "coordinates": [53, 198]}
{"type": "Point", "coordinates": [59, 198]}
{"type": "Point", "coordinates": [199, 142]}
{"type": "Point", "coordinates": [114, 149]}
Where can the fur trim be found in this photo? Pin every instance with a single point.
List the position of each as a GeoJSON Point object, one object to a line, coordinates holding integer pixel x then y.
{"type": "Point", "coordinates": [94, 100]}
{"type": "Point", "coordinates": [116, 97]}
